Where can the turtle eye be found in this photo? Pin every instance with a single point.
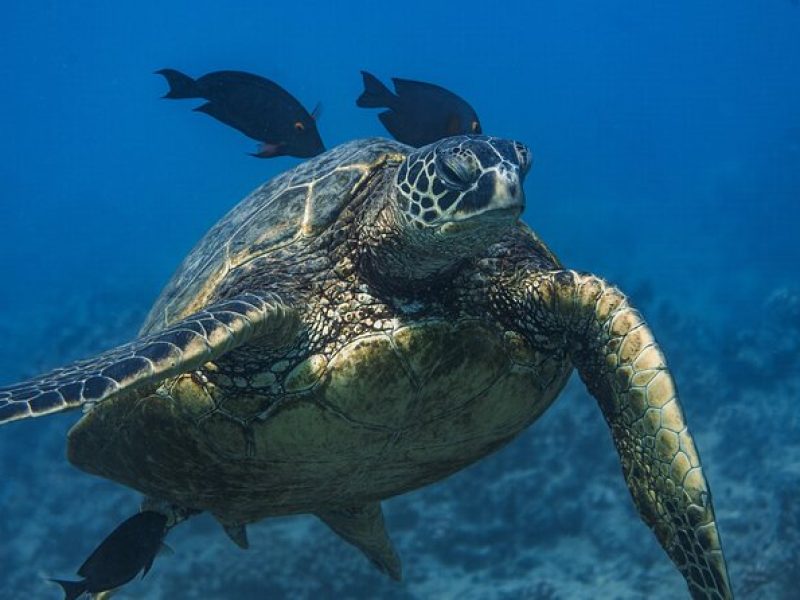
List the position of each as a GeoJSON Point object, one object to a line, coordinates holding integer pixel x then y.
{"type": "Point", "coordinates": [524, 157]}
{"type": "Point", "coordinates": [457, 171]}
{"type": "Point", "coordinates": [475, 127]}
{"type": "Point", "coordinates": [298, 126]}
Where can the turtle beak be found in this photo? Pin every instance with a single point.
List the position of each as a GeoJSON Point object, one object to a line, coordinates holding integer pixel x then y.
{"type": "Point", "coordinates": [508, 193]}
{"type": "Point", "coordinates": [503, 205]}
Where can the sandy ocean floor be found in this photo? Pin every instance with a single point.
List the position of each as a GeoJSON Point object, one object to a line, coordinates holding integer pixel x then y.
{"type": "Point", "coordinates": [546, 518]}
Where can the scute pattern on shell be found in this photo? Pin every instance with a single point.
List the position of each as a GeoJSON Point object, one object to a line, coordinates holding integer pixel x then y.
{"type": "Point", "coordinates": [301, 202]}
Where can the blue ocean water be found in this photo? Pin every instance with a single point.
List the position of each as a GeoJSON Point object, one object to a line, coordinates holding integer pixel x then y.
{"type": "Point", "coordinates": [666, 138]}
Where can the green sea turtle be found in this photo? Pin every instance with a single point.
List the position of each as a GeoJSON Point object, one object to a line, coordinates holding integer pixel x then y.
{"type": "Point", "coordinates": [367, 323]}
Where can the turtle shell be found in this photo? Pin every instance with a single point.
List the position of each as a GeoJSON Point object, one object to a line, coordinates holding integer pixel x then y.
{"type": "Point", "coordinates": [301, 202]}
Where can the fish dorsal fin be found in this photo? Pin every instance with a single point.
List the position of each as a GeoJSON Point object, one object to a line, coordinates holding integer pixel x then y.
{"type": "Point", "coordinates": [363, 527]}
{"type": "Point", "coordinates": [410, 86]}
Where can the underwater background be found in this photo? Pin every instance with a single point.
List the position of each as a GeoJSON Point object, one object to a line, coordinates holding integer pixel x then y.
{"type": "Point", "coordinates": [666, 141]}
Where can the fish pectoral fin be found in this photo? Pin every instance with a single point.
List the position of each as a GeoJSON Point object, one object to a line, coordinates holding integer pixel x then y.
{"type": "Point", "coordinates": [363, 527]}
{"type": "Point", "coordinates": [267, 150]}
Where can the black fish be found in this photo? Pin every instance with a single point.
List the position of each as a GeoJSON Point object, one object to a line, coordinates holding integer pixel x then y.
{"type": "Point", "coordinates": [258, 107]}
{"type": "Point", "coordinates": [130, 548]}
{"type": "Point", "coordinates": [419, 113]}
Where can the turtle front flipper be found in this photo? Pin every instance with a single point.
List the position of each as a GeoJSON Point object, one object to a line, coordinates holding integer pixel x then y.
{"type": "Point", "coordinates": [182, 347]}
{"type": "Point", "coordinates": [624, 368]}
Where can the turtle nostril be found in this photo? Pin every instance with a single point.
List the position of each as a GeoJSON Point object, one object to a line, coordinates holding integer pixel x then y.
{"type": "Point", "coordinates": [512, 189]}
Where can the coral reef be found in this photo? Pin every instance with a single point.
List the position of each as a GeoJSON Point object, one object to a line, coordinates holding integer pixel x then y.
{"type": "Point", "coordinates": [546, 518]}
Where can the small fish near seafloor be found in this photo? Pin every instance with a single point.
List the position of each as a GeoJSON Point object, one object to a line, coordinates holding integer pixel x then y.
{"type": "Point", "coordinates": [254, 105]}
{"type": "Point", "coordinates": [419, 113]}
{"type": "Point", "coordinates": [129, 549]}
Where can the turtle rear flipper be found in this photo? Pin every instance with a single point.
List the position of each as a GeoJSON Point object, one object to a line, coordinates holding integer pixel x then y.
{"type": "Point", "coordinates": [623, 367]}
{"type": "Point", "coordinates": [182, 347]}
{"type": "Point", "coordinates": [363, 527]}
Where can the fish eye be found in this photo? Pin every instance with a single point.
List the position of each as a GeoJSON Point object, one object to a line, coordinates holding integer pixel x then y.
{"type": "Point", "coordinates": [476, 127]}
{"type": "Point", "coordinates": [299, 126]}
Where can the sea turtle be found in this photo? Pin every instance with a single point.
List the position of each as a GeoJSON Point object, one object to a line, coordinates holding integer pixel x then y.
{"type": "Point", "coordinates": [364, 324]}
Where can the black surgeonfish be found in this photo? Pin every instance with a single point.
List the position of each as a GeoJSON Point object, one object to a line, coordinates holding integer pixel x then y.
{"type": "Point", "coordinates": [419, 113]}
{"type": "Point", "coordinates": [130, 548]}
{"type": "Point", "coordinates": [258, 107]}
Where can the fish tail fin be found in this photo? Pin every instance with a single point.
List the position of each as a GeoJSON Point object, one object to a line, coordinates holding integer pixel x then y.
{"type": "Point", "coordinates": [180, 85]}
{"type": "Point", "coordinates": [375, 94]}
{"type": "Point", "coordinates": [72, 589]}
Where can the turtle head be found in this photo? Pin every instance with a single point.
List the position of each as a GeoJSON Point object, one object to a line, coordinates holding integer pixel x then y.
{"type": "Point", "coordinates": [451, 201]}
{"type": "Point", "coordinates": [463, 183]}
